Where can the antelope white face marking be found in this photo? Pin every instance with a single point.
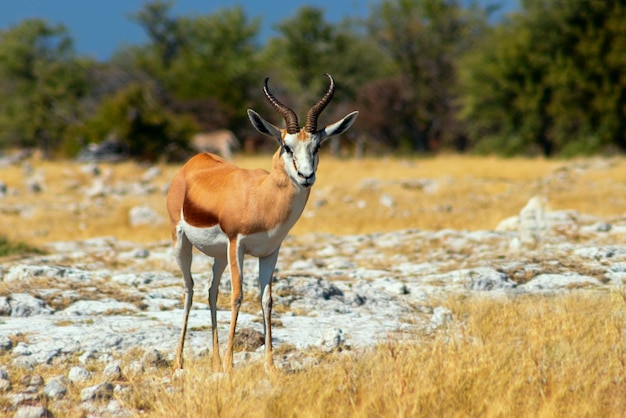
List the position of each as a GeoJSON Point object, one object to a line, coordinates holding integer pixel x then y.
{"type": "Point", "coordinates": [301, 158]}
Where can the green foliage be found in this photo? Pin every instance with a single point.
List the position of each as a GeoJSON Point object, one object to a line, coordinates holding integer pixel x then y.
{"type": "Point", "coordinates": [425, 38]}
{"type": "Point", "coordinates": [552, 78]}
{"type": "Point", "coordinates": [8, 248]}
{"type": "Point", "coordinates": [425, 74]}
{"type": "Point", "coordinates": [40, 82]}
{"type": "Point", "coordinates": [310, 46]}
{"type": "Point", "coordinates": [136, 117]}
{"type": "Point", "coordinates": [202, 57]}
{"type": "Point", "coordinates": [219, 55]}
{"type": "Point", "coordinates": [163, 30]}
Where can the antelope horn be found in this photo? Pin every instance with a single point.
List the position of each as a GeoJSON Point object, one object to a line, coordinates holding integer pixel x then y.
{"type": "Point", "coordinates": [311, 117]}
{"type": "Point", "coordinates": [290, 117]}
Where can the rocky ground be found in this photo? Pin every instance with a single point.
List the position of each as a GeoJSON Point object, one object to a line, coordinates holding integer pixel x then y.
{"type": "Point", "coordinates": [94, 300]}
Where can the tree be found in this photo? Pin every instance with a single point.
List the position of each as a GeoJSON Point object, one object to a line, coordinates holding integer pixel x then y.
{"type": "Point", "coordinates": [41, 82]}
{"type": "Point", "coordinates": [209, 59]}
{"type": "Point", "coordinates": [162, 29]}
{"type": "Point", "coordinates": [136, 117]}
{"type": "Point", "coordinates": [424, 38]}
{"type": "Point", "coordinates": [219, 59]}
{"type": "Point", "coordinates": [309, 46]}
{"type": "Point", "coordinates": [550, 80]}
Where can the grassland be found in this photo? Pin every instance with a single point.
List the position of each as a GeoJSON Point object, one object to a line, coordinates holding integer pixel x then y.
{"type": "Point", "coordinates": [520, 356]}
{"type": "Point", "coordinates": [524, 357]}
{"type": "Point", "coordinates": [429, 193]}
{"type": "Point", "coordinates": [527, 356]}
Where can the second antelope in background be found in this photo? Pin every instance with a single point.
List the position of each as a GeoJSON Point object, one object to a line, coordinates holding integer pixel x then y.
{"type": "Point", "coordinates": [227, 212]}
{"type": "Point", "coordinates": [221, 141]}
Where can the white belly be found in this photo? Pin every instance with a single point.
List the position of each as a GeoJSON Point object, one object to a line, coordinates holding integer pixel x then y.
{"type": "Point", "coordinates": [213, 241]}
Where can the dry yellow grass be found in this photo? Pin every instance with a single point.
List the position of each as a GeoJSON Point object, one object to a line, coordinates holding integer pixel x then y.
{"type": "Point", "coordinates": [522, 356]}
{"type": "Point", "coordinates": [528, 356]}
{"type": "Point", "coordinates": [456, 192]}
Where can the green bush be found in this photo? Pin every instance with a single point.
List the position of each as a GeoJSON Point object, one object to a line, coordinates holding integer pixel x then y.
{"type": "Point", "coordinates": [8, 248]}
{"type": "Point", "coordinates": [136, 117]}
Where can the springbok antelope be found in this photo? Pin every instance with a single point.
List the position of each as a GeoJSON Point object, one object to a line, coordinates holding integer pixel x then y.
{"type": "Point", "coordinates": [221, 141]}
{"type": "Point", "coordinates": [227, 212]}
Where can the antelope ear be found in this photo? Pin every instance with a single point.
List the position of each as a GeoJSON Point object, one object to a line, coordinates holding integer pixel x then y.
{"type": "Point", "coordinates": [338, 127]}
{"type": "Point", "coordinates": [264, 127]}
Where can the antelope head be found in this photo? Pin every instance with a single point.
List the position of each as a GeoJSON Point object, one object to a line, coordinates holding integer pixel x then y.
{"type": "Point", "coordinates": [300, 146]}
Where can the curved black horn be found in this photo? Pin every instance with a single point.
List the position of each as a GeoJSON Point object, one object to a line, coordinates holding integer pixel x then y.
{"type": "Point", "coordinates": [311, 117]}
{"type": "Point", "coordinates": [290, 117]}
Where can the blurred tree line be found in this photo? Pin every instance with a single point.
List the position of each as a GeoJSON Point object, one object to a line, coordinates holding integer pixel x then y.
{"type": "Point", "coordinates": [426, 75]}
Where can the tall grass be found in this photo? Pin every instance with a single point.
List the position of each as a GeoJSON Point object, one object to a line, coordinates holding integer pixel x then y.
{"type": "Point", "coordinates": [524, 356]}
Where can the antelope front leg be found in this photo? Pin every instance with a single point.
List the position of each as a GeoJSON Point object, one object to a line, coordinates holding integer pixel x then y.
{"type": "Point", "coordinates": [235, 260]}
{"type": "Point", "coordinates": [266, 271]}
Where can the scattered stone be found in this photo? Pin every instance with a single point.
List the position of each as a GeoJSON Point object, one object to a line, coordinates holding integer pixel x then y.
{"type": "Point", "coordinates": [56, 388]}
{"type": "Point", "coordinates": [24, 305]}
{"type": "Point", "coordinates": [102, 391]}
{"type": "Point", "coordinates": [135, 367]}
{"type": "Point", "coordinates": [151, 174]}
{"type": "Point", "coordinates": [561, 281]}
{"type": "Point", "coordinates": [35, 380]}
{"type": "Point", "coordinates": [22, 349]}
{"type": "Point", "coordinates": [91, 169]}
{"type": "Point", "coordinates": [95, 307]}
{"type": "Point", "coordinates": [532, 222]}
{"type": "Point", "coordinates": [154, 358]}
{"type": "Point", "coordinates": [79, 374]}
{"type": "Point", "coordinates": [87, 356]}
{"type": "Point", "coordinates": [112, 372]}
{"type": "Point", "coordinates": [144, 215]}
{"type": "Point", "coordinates": [332, 340]}
{"type": "Point", "coordinates": [441, 317]}
{"type": "Point", "coordinates": [23, 272]}
{"type": "Point", "coordinates": [5, 385]}
{"type": "Point", "coordinates": [387, 201]}
{"type": "Point", "coordinates": [45, 354]}
{"type": "Point", "coordinates": [596, 227]}
{"type": "Point", "coordinates": [5, 310]}
{"type": "Point", "coordinates": [98, 188]}
{"type": "Point", "coordinates": [32, 411]}
{"type": "Point", "coordinates": [5, 343]}
{"type": "Point", "coordinates": [488, 279]}
{"type": "Point", "coordinates": [34, 186]}
{"type": "Point", "coordinates": [26, 362]}
{"type": "Point", "coordinates": [180, 374]}
{"type": "Point", "coordinates": [141, 253]}
{"type": "Point", "coordinates": [398, 288]}
{"type": "Point", "coordinates": [114, 407]}
{"type": "Point", "coordinates": [302, 265]}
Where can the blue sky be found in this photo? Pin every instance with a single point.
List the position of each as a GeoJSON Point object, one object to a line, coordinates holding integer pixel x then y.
{"type": "Point", "coordinates": [99, 27]}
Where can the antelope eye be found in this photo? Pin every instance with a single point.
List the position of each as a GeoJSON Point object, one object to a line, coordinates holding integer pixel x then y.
{"type": "Point", "coordinates": [287, 149]}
